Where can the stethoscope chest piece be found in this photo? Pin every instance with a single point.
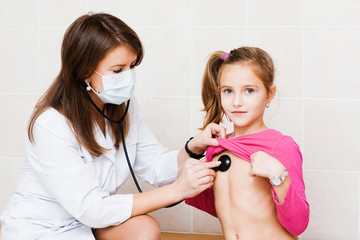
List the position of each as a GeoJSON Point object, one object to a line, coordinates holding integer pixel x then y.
{"type": "Point", "coordinates": [225, 163]}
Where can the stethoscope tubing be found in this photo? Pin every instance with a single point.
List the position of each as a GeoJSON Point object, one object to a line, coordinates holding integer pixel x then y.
{"type": "Point", "coordinates": [120, 122]}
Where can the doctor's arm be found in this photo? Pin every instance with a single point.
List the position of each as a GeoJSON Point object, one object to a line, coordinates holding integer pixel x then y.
{"type": "Point", "coordinates": [71, 181]}
{"type": "Point", "coordinates": [194, 177]}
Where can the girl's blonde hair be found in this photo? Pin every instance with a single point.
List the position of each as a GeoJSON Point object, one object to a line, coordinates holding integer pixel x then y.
{"type": "Point", "coordinates": [256, 58]}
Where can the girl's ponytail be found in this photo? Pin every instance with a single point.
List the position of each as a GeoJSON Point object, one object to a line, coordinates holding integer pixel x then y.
{"type": "Point", "coordinates": [210, 92]}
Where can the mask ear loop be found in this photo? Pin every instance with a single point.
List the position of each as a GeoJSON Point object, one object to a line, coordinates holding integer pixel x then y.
{"type": "Point", "coordinates": [99, 74]}
{"type": "Point", "coordinates": [88, 88]}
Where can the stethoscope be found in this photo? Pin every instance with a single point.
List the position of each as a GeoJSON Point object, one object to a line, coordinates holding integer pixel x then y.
{"type": "Point", "coordinates": [120, 122]}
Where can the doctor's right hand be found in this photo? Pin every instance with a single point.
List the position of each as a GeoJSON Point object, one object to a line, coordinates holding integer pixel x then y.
{"type": "Point", "coordinates": [195, 176]}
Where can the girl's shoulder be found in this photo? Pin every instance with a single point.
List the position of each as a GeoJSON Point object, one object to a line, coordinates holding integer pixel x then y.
{"type": "Point", "coordinates": [283, 138]}
{"type": "Point", "coordinates": [279, 139]}
{"type": "Point", "coordinates": [286, 146]}
{"type": "Point", "coordinates": [269, 139]}
{"type": "Point", "coordinates": [272, 133]}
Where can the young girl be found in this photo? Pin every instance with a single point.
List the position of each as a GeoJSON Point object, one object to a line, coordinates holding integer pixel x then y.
{"type": "Point", "coordinates": [262, 194]}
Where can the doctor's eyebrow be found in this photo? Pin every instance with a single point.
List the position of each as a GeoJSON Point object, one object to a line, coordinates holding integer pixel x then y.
{"type": "Point", "coordinates": [123, 65]}
{"type": "Point", "coordinates": [119, 65]}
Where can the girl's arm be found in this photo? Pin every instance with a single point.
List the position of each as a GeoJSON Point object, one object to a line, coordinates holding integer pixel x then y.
{"type": "Point", "coordinates": [264, 165]}
{"type": "Point", "coordinates": [291, 205]}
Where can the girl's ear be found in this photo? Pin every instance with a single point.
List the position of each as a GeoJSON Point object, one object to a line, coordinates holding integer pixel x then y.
{"type": "Point", "coordinates": [271, 93]}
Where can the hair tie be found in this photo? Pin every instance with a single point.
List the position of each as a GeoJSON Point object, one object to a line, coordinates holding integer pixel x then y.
{"type": "Point", "coordinates": [225, 56]}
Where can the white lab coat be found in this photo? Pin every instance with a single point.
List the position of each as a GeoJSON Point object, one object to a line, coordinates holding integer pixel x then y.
{"type": "Point", "coordinates": [64, 191]}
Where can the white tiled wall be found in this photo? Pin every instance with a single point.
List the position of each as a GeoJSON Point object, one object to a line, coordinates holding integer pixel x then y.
{"type": "Point", "coordinates": [314, 44]}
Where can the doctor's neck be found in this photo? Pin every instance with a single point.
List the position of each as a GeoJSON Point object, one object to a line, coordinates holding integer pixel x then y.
{"type": "Point", "coordinates": [100, 104]}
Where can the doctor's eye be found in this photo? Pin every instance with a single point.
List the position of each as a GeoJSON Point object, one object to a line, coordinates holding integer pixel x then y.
{"type": "Point", "coordinates": [117, 70]}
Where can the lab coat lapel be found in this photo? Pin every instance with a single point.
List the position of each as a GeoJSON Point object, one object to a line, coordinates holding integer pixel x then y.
{"type": "Point", "coordinates": [105, 143]}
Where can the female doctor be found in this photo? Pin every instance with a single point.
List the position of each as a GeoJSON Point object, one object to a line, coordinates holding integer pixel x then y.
{"type": "Point", "coordinates": [74, 157]}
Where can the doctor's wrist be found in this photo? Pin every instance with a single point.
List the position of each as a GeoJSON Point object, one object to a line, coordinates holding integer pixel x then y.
{"type": "Point", "coordinates": [192, 150]}
{"type": "Point", "coordinates": [177, 192]}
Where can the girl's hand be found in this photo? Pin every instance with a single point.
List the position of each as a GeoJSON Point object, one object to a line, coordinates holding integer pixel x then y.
{"type": "Point", "coordinates": [264, 165]}
{"type": "Point", "coordinates": [194, 177]}
{"type": "Point", "coordinates": [206, 138]}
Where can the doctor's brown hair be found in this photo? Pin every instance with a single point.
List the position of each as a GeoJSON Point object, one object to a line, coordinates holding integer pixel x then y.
{"type": "Point", "coordinates": [86, 42]}
{"type": "Point", "coordinates": [256, 58]}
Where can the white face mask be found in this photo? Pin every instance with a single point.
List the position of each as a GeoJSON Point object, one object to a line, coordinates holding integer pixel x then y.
{"type": "Point", "coordinates": [118, 88]}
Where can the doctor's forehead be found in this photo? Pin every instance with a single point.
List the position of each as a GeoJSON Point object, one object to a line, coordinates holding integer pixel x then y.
{"type": "Point", "coordinates": [121, 55]}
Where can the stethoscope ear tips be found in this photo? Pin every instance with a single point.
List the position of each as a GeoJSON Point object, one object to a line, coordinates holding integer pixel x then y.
{"type": "Point", "coordinates": [225, 164]}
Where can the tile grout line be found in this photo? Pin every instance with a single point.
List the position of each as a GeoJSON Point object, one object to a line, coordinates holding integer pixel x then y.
{"type": "Point", "coordinates": [191, 100]}
{"type": "Point", "coordinates": [359, 211]}
{"type": "Point", "coordinates": [253, 26]}
{"type": "Point", "coordinates": [4, 157]}
{"type": "Point", "coordinates": [303, 79]}
{"type": "Point", "coordinates": [331, 171]}
{"type": "Point", "coordinates": [38, 41]}
{"type": "Point", "coordinates": [195, 26]}
{"type": "Point", "coordinates": [193, 96]}
{"type": "Point", "coordinates": [284, 98]}
{"type": "Point", "coordinates": [191, 69]}
{"type": "Point", "coordinates": [138, 12]}
{"type": "Point", "coordinates": [247, 22]}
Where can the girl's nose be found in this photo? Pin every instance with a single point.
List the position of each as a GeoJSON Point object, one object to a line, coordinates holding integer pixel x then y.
{"type": "Point", "coordinates": [238, 100]}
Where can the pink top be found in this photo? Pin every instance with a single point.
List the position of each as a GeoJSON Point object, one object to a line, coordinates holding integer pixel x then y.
{"type": "Point", "coordinates": [293, 214]}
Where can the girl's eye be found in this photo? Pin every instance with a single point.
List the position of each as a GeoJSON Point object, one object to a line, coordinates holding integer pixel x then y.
{"type": "Point", "coordinates": [227, 91]}
{"type": "Point", "coordinates": [249, 90]}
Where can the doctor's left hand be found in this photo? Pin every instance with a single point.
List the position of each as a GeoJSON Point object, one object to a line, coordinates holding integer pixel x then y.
{"type": "Point", "coordinates": [206, 138]}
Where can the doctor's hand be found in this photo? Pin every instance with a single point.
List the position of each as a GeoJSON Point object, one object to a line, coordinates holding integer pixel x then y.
{"type": "Point", "coordinates": [264, 165]}
{"type": "Point", "coordinates": [206, 138]}
{"type": "Point", "coordinates": [194, 177]}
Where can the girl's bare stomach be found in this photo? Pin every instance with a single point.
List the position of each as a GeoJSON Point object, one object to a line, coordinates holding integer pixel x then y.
{"type": "Point", "coordinates": [244, 204]}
